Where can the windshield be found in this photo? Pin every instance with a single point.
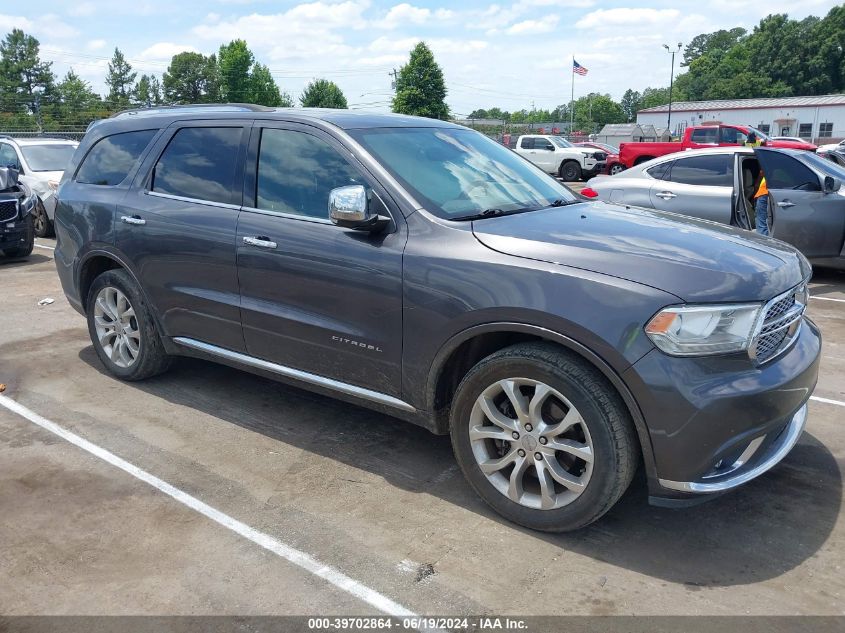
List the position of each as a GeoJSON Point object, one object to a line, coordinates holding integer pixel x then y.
{"type": "Point", "coordinates": [455, 173]}
{"type": "Point", "coordinates": [760, 135]}
{"type": "Point", "coordinates": [610, 149]}
{"type": "Point", "coordinates": [561, 142]}
{"type": "Point", "coordinates": [52, 157]}
{"type": "Point", "coordinates": [824, 165]}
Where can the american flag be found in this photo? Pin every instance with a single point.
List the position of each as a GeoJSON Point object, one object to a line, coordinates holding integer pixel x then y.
{"type": "Point", "coordinates": [578, 68]}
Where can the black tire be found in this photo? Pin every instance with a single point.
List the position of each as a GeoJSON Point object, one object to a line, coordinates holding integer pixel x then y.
{"type": "Point", "coordinates": [42, 225]}
{"type": "Point", "coordinates": [26, 249]}
{"type": "Point", "coordinates": [615, 446]}
{"type": "Point", "coordinates": [616, 168]}
{"type": "Point", "coordinates": [569, 171]}
{"type": "Point", "coordinates": [151, 359]}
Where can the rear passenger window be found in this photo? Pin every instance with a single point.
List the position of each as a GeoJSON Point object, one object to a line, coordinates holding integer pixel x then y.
{"type": "Point", "coordinates": [113, 157]}
{"type": "Point", "coordinates": [661, 171]}
{"type": "Point", "coordinates": [711, 171]}
{"type": "Point", "coordinates": [527, 143]}
{"type": "Point", "coordinates": [199, 163]}
{"type": "Point", "coordinates": [296, 172]}
{"type": "Point", "coordinates": [705, 135]}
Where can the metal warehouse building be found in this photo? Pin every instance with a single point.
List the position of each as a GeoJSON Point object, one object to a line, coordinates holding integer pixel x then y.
{"type": "Point", "coordinates": [818, 119]}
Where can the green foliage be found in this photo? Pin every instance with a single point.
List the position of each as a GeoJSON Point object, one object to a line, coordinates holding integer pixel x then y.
{"type": "Point", "coordinates": [264, 91]}
{"type": "Point", "coordinates": [147, 92]}
{"type": "Point", "coordinates": [594, 111]}
{"type": "Point", "coordinates": [120, 79]}
{"type": "Point", "coordinates": [25, 81]}
{"type": "Point", "coordinates": [420, 88]}
{"type": "Point", "coordinates": [709, 43]}
{"type": "Point", "coordinates": [322, 93]}
{"type": "Point", "coordinates": [191, 78]}
{"type": "Point", "coordinates": [75, 102]}
{"type": "Point", "coordinates": [234, 62]}
{"type": "Point", "coordinates": [631, 102]}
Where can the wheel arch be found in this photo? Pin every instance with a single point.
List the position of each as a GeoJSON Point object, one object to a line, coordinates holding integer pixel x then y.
{"type": "Point", "coordinates": [461, 352]}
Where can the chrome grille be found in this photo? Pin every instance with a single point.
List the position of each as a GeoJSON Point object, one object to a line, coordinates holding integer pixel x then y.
{"type": "Point", "coordinates": [8, 210]}
{"type": "Point", "coordinates": [780, 324]}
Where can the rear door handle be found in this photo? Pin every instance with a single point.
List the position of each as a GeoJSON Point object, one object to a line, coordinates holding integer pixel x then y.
{"type": "Point", "coordinates": [134, 220]}
{"type": "Point", "coordinates": [786, 204]}
{"type": "Point", "coordinates": [666, 195]}
{"type": "Point", "coordinates": [260, 242]}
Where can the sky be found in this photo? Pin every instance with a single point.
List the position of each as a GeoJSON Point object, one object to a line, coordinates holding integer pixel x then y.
{"type": "Point", "coordinates": [508, 54]}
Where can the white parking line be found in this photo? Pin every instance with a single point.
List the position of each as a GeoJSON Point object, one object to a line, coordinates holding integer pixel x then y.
{"type": "Point", "coordinates": [828, 401]}
{"type": "Point", "coordinates": [298, 558]}
{"type": "Point", "coordinates": [47, 247]}
{"type": "Point", "coordinates": [828, 299]}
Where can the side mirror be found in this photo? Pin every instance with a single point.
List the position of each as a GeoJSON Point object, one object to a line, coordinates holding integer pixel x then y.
{"type": "Point", "coordinates": [349, 208]}
{"type": "Point", "coordinates": [831, 184]}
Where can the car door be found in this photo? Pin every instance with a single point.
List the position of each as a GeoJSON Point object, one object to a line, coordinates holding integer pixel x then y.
{"type": "Point", "coordinates": [547, 158]}
{"type": "Point", "coordinates": [316, 297]}
{"type": "Point", "coordinates": [700, 186]}
{"type": "Point", "coordinates": [803, 214]}
{"type": "Point", "coordinates": [177, 226]}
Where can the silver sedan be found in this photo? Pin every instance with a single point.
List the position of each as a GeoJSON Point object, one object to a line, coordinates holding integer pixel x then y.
{"type": "Point", "coordinates": [806, 204]}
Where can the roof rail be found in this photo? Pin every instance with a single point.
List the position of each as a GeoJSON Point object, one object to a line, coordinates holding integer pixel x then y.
{"type": "Point", "coordinates": [249, 107]}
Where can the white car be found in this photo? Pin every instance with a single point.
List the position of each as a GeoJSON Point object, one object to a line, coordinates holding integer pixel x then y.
{"type": "Point", "coordinates": [41, 163]}
{"type": "Point", "coordinates": [833, 146]}
{"type": "Point", "coordinates": [557, 156]}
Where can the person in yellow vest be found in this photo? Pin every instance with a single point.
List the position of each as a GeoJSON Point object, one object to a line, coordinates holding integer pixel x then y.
{"type": "Point", "coordinates": [761, 206]}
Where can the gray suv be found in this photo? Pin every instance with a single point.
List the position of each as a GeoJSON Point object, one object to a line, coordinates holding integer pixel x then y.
{"type": "Point", "coordinates": [424, 270]}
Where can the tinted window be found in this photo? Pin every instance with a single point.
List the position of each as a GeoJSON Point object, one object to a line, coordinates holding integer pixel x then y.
{"type": "Point", "coordinates": [661, 171]}
{"type": "Point", "coordinates": [199, 162]}
{"type": "Point", "coordinates": [8, 156]}
{"type": "Point", "coordinates": [527, 143]}
{"type": "Point", "coordinates": [733, 136]}
{"type": "Point", "coordinates": [713, 171]}
{"type": "Point", "coordinates": [784, 172]}
{"type": "Point", "coordinates": [705, 135]}
{"type": "Point", "coordinates": [112, 158]}
{"type": "Point", "coordinates": [543, 143]}
{"type": "Point", "coordinates": [457, 172]}
{"type": "Point", "coordinates": [296, 172]}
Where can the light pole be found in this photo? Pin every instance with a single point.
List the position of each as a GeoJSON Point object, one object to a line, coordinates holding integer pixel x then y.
{"type": "Point", "coordinates": [671, 82]}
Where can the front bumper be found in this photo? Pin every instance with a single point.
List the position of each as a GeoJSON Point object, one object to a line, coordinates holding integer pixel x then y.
{"type": "Point", "coordinates": [597, 169]}
{"type": "Point", "coordinates": [715, 423]}
{"type": "Point", "coordinates": [15, 234]}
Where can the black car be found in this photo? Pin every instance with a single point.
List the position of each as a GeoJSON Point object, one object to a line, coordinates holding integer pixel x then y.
{"type": "Point", "coordinates": [424, 270]}
{"type": "Point", "coordinates": [17, 235]}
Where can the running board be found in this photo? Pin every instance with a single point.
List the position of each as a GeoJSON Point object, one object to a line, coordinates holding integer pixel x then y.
{"type": "Point", "coordinates": [296, 374]}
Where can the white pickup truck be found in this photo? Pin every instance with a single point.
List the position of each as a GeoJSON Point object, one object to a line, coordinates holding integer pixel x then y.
{"type": "Point", "coordinates": [558, 156]}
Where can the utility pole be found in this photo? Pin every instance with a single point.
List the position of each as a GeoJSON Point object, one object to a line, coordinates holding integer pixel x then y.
{"type": "Point", "coordinates": [671, 82]}
{"type": "Point", "coordinates": [393, 82]}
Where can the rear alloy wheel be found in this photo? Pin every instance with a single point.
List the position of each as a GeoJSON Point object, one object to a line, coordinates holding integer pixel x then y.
{"type": "Point", "coordinates": [617, 168]}
{"type": "Point", "coordinates": [570, 171]}
{"type": "Point", "coordinates": [41, 223]}
{"type": "Point", "coordinates": [123, 328]}
{"type": "Point", "coordinates": [543, 437]}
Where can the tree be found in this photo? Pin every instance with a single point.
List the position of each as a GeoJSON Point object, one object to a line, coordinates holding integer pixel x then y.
{"type": "Point", "coordinates": [630, 104]}
{"type": "Point", "coordinates": [191, 78]}
{"type": "Point", "coordinates": [25, 81]}
{"type": "Point", "coordinates": [420, 89]}
{"type": "Point", "coordinates": [708, 43]}
{"type": "Point", "coordinates": [120, 79]}
{"type": "Point", "coordinates": [147, 92]}
{"type": "Point", "coordinates": [234, 62]}
{"type": "Point", "coordinates": [263, 89]}
{"type": "Point", "coordinates": [322, 93]}
{"type": "Point", "coordinates": [76, 103]}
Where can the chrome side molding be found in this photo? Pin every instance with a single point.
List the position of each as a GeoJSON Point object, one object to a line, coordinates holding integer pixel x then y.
{"type": "Point", "coordinates": [290, 372]}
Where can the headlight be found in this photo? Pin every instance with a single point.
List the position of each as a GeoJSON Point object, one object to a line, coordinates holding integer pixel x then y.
{"type": "Point", "coordinates": [704, 330]}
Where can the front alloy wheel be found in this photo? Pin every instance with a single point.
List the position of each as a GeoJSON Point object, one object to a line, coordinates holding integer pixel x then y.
{"type": "Point", "coordinates": [531, 443]}
{"type": "Point", "coordinates": [117, 327]}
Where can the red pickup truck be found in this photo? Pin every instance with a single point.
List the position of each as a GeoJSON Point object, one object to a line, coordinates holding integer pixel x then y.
{"type": "Point", "coordinates": [699, 137]}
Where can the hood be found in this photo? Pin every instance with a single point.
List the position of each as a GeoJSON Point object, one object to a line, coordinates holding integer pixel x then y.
{"type": "Point", "coordinates": [791, 145]}
{"type": "Point", "coordinates": [693, 259]}
{"type": "Point", "coordinates": [39, 181]}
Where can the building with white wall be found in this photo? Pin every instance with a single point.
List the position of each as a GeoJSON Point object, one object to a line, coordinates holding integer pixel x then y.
{"type": "Point", "coordinates": [818, 119]}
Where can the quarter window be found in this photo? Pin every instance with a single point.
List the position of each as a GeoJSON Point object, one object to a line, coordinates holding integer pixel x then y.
{"type": "Point", "coordinates": [199, 163]}
{"type": "Point", "coordinates": [113, 157]}
{"type": "Point", "coordinates": [705, 135]}
{"type": "Point", "coordinates": [661, 171]}
{"type": "Point", "coordinates": [712, 171]}
{"type": "Point", "coordinates": [296, 172]}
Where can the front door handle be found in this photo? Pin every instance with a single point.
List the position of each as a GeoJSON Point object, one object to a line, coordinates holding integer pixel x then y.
{"type": "Point", "coordinates": [666, 195]}
{"type": "Point", "coordinates": [134, 220]}
{"type": "Point", "coordinates": [260, 242]}
{"type": "Point", "coordinates": [785, 204]}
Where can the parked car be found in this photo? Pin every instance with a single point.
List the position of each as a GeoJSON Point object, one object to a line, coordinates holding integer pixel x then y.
{"type": "Point", "coordinates": [807, 206]}
{"type": "Point", "coordinates": [833, 146]}
{"type": "Point", "coordinates": [424, 270]}
{"type": "Point", "coordinates": [556, 155]}
{"type": "Point", "coordinates": [702, 137]}
{"type": "Point", "coordinates": [790, 139]}
{"type": "Point", "coordinates": [837, 155]}
{"type": "Point", "coordinates": [16, 207]}
{"type": "Point", "coordinates": [40, 162]}
{"type": "Point", "coordinates": [612, 164]}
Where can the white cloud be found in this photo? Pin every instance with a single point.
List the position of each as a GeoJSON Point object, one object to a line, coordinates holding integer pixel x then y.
{"type": "Point", "coordinates": [164, 51]}
{"type": "Point", "coordinates": [95, 45]}
{"type": "Point", "coordinates": [49, 25]}
{"type": "Point", "coordinates": [82, 9]}
{"type": "Point", "coordinates": [607, 18]}
{"type": "Point", "coordinates": [404, 14]}
{"type": "Point", "coordinates": [546, 24]}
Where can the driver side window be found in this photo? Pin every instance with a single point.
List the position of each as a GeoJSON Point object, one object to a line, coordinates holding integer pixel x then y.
{"type": "Point", "coordinates": [8, 156]}
{"type": "Point", "coordinates": [784, 172]}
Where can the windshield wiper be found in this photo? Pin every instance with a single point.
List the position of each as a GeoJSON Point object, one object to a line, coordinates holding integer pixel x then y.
{"type": "Point", "coordinates": [487, 213]}
{"type": "Point", "coordinates": [564, 203]}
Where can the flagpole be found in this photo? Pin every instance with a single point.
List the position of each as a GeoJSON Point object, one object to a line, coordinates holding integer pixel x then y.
{"type": "Point", "coordinates": [572, 101]}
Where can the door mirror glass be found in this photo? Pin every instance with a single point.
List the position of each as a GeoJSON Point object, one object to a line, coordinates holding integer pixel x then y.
{"type": "Point", "coordinates": [832, 184]}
